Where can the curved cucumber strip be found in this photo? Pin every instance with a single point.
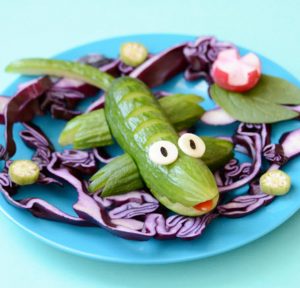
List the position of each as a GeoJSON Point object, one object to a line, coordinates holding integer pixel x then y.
{"type": "Point", "coordinates": [86, 131]}
{"type": "Point", "coordinates": [182, 110]}
{"type": "Point", "coordinates": [24, 172]}
{"type": "Point", "coordinates": [60, 68]}
{"type": "Point", "coordinates": [117, 177]}
{"type": "Point", "coordinates": [218, 152]}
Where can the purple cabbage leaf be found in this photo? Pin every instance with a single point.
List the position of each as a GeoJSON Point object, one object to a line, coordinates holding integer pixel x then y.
{"type": "Point", "coordinates": [251, 140]}
{"type": "Point", "coordinates": [22, 107]}
{"type": "Point", "coordinates": [200, 55]}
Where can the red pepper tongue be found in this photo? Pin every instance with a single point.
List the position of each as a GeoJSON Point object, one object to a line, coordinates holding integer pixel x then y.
{"type": "Point", "coordinates": [204, 206]}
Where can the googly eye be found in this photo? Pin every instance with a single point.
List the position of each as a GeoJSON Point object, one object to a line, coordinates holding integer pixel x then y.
{"type": "Point", "coordinates": [191, 145]}
{"type": "Point", "coordinates": [163, 152]}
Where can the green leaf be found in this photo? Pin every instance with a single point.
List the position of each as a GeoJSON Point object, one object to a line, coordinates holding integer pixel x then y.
{"type": "Point", "coordinates": [276, 90]}
{"type": "Point", "coordinates": [261, 104]}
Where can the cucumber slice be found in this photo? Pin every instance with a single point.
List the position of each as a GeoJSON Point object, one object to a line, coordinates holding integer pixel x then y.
{"type": "Point", "coordinates": [275, 182]}
{"type": "Point", "coordinates": [133, 54]}
{"type": "Point", "coordinates": [86, 131]}
{"type": "Point", "coordinates": [24, 172]}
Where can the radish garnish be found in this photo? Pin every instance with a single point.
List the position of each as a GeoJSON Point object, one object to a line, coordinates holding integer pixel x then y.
{"type": "Point", "coordinates": [235, 73]}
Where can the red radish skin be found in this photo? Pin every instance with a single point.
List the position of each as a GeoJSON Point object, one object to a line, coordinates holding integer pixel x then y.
{"type": "Point", "coordinates": [234, 73]}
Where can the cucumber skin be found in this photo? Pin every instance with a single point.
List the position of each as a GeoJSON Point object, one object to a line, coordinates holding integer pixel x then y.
{"type": "Point", "coordinates": [117, 177]}
{"type": "Point", "coordinates": [86, 131]}
{"type": "Point", "coordinates": [182, 110]}
{"type": "Point", "coordinates": [218, 152]}
{"type": "Point", "coordinates": [188, 180]}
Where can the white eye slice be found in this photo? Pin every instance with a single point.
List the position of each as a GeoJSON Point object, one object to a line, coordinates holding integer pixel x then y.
{"type": "Point", "coordinates": [191, 145]}
{"type": "Point", "coordinates": [163, 152]}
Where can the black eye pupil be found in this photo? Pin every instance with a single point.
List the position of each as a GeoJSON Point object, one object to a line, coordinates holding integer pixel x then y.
{"type": "Point", "coordinates": [192, 144]}
{"type": "Point", "coordinates": [164, 151]}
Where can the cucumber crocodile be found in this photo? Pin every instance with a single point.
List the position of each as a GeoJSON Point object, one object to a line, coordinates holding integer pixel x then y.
{"type": "Point", "coordinates": [136, 120]}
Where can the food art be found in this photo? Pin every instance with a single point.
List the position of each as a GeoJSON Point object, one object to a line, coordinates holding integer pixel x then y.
{"type": "Point", "coordinates": [168, 182]}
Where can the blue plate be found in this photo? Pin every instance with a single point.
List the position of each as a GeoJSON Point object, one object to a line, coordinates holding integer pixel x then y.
{"type": "Point", "coordinates": [222, 235]}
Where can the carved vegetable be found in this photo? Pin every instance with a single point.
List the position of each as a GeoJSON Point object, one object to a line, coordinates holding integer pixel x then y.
{"type": "Point", "coordinates": [137, 121]}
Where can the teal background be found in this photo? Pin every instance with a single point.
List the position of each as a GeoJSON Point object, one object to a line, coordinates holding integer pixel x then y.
{"type": "Point", "coordinates": [40, 28]}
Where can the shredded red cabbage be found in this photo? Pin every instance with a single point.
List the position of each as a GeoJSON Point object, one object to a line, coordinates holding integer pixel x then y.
{"type": "Point", "coordinates": [95, 60]}
{"type": "Point", "coordinates": [244, 205]}
{"type": "Point", "coordinates": [287, 148]}
{"type": "Point", "coordinates": [34, 138]}
{"type": "Point", "coordinates": [62, 112]}
{"type": "Point", "coordinates": [129, 205]}
{"type": "Point", "coordinates": [250, 139]}
{"type": "Point", "coordinates": [82, 161]}
{"type": "Point", "coordinates": [61, 102]}
{"type": "Point", "coordinates": [3, 102]}
{"type": "Point", "coordinates": [62, 98]}
{"type": "Point", "coordinates": [21, 108]}
{"type": "Point", "coordinates": [278, 155]}
{"type": "Point", "coordinates": [200, 55]}
{"type": "Point", "coordinates": [38, 207]}
{"type": "Point", "coordinates": [98, 104]}
{"type": "Point", "coordinates": [275, 154]}
{"type": "Point", "coordinates": [102, 155]}
{"type": "Point", "coordinates": [124, 68]}
{"type": "Point", "coordinates": [161, 67]}
{"type": "Point", "coordinates": [161, 94]}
